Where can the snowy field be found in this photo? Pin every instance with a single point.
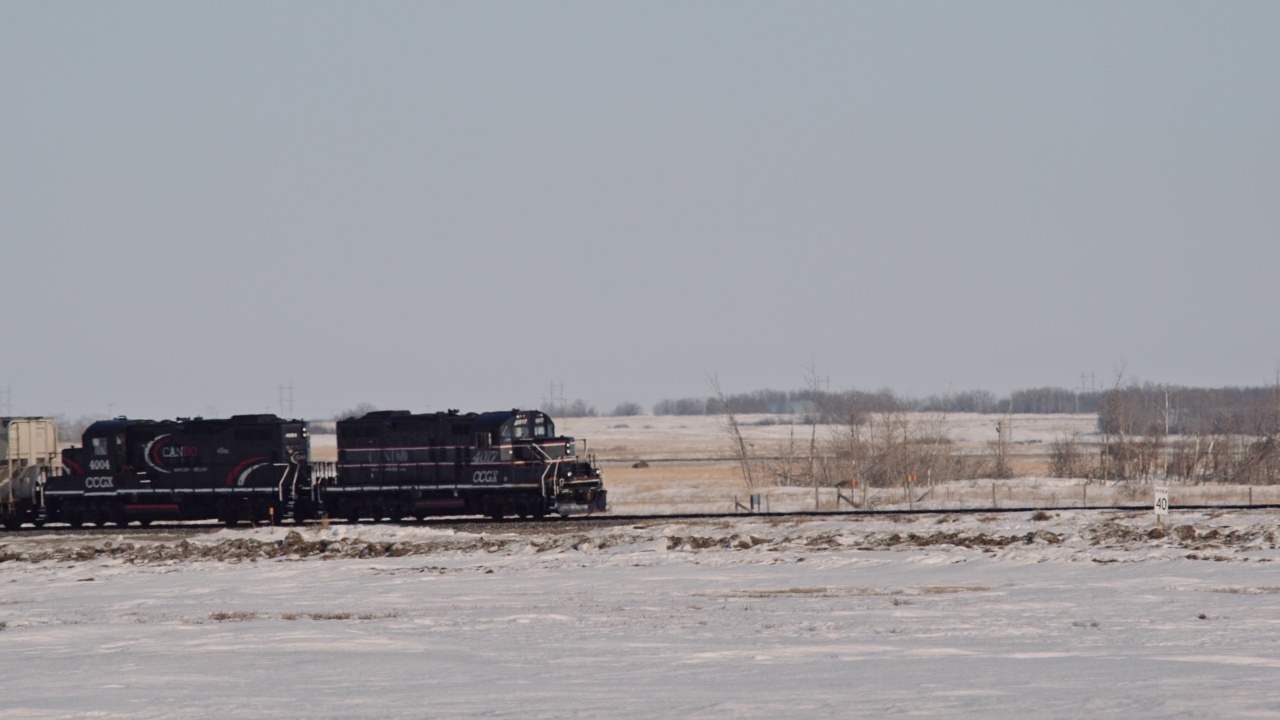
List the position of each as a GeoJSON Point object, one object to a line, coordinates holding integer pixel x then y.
{"type": "Point", "coordinates": [691, 435]}
{"type": "Point", "coordinates": [1072, 615]}
{"type": "Point", "coordinates": [658, 437]}
{"type": "Point", "coordinates": [691, 466]}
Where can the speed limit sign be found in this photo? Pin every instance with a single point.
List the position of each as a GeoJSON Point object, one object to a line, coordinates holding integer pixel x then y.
{"type": "Point", "coordinates": [1162, 501]}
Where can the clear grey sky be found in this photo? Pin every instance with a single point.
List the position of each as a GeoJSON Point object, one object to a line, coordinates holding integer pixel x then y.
{"type": "Point", "coordinates": [430, 205]}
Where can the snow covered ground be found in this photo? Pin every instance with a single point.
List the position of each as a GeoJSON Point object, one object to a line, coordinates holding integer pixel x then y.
{"type": "Point", "coordinates": [691, 435]}
{"type": "Point", "coordinates": [1078, 614]}
{"type": "Point", "coordinates": [652, 437]}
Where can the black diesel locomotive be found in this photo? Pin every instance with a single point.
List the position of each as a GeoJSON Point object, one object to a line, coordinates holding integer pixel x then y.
{"type": "Point", "coordinates": [247, 467]}
{"type": "Point", "coordinates": [391, 464]}
{"type": "Point", "coordinates": [396, 464]}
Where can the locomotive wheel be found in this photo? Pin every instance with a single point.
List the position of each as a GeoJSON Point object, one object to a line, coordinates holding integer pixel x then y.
{"type": "Point", "coordinates": [12, 522]}
{"type": "Point", "coordinates": [145, 522]}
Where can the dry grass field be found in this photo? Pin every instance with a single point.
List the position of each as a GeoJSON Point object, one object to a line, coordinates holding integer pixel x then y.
{"type": "Point", "coordinates": [687, 465]}
{"type": "Point", "coordinates": [691, 467]}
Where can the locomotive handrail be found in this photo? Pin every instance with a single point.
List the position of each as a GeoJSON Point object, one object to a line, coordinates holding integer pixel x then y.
{"type": "Point", "coordinates": [284, 477]}
{"type": "Point", "coordinates": [550, 468]}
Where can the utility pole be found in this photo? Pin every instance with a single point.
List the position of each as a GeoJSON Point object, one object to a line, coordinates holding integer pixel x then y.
{"type": "Point", "coordinates": [1090, 386]}
{"type": "Point", "coordinates": [286, 400]}
{"type": "Point", "coordinates": [1166, 410]}
{"type": "Point", "coordinates": [550, 402]}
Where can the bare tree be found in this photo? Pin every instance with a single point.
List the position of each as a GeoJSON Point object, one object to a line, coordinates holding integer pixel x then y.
{"type": "Point", "coordinates": [627, 409]}
{"type": "Point", "coordinates": [360, 410]}
{"type": "Point", "coordinates": [735, 432]}
{"type": "Point", "coordinates": [1116, 418]}
{"type": "Point", "coordinates": [783, 468]}
{"type": "Point", "coordinates": [815, 412]}
{"type": "Point", "coordinates": [1067, 460]}
{"type": "Point", "coordinates": [576, 409]}
{"type": "Point", "coordinates": [1004, 434]}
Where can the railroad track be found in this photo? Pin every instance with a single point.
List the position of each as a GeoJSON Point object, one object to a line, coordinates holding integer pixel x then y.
{"type": "Point", "coordinates": [568, 524]}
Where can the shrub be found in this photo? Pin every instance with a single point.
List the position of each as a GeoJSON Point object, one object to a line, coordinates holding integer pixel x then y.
{"type": "Point", "coordinates": [627, 409]}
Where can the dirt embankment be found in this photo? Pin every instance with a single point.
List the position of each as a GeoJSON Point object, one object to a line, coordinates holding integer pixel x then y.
{"type": "Point", "coordinates": [1110, 534]}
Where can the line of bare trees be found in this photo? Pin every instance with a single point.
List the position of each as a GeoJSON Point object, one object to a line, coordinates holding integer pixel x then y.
{"type": "Point", "coordinates": [1154, 432]}
{"type": "Point", "coordinates": [885, 445]}
{"type": "Point", "coordinates": [1045, 400]}
{"type": "Point", "coordinates": [881, 449]}
{"type": "Point", "coordinates": [1184, 410]}
{"type": "Point", "coordinates": [1145, 432]}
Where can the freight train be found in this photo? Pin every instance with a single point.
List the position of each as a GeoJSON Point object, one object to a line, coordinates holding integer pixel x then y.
{"type": "Point", "coordinates": [257, 468]}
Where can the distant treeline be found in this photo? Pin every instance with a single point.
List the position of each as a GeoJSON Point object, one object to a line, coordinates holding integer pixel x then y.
{"type": "Point", "coordinates": [1157, 409]}
{"type": "Point", "coordinates": [1132, 409]}
{"type": "Point", "coordinates": [834, 406]}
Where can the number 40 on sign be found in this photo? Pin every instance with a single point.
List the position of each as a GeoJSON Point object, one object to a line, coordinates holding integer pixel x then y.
{"type": "Point", "coordinates": [1162, 502]}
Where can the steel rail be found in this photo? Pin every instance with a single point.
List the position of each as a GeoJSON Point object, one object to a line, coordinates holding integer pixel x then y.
{"type": "Point", "coordinates": [161, 527]}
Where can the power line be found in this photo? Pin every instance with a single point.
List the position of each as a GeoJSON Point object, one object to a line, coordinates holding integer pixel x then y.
{"type": "Point", "coordinates": [286, 400]}
{"type": "Point", "coordinates": [550, 400]}
{"type": "Point", "coordinates": [1092, 385]}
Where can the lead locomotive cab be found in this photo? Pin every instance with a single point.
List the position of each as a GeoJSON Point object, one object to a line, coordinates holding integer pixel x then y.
{"type": "Point", "coordinates": [521, 435]}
